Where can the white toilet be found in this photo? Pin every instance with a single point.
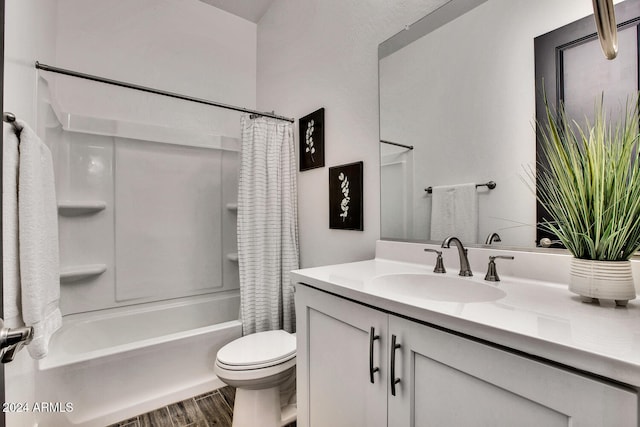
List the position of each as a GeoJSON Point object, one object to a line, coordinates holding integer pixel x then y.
{"type": "Point", "coordinates": [260, 366]}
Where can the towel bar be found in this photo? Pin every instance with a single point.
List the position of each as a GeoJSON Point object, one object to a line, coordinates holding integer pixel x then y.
{"type": "Point", "coordinates": [12, 340]}
{"type": "Point", "coordinates": [10, 118]}
{"type": "Point", "coordinates": [490, 185]}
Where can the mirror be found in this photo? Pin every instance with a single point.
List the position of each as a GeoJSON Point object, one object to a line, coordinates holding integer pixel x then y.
{"type": "Point", "coordinates": [457, 91]}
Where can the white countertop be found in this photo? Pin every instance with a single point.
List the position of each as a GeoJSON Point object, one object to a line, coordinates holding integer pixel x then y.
{"type": "Point", "coordinates": [539, 318]}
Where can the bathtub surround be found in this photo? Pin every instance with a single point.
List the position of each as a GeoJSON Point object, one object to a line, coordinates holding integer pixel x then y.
{"type": "Point", "coordinates": [33, 294]}
{"type": "Point", "coordinates": [168, 296]}
{"type": "Point", "coordinates": [267, 224]}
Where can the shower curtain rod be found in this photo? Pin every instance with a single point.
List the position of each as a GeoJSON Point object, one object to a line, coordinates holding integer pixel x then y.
{"type": "Point", "coordinates": [71, 73]}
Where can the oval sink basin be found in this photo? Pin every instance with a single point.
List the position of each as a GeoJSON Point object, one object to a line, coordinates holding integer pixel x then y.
{"type": "Point", "coordinates": [436, 287]}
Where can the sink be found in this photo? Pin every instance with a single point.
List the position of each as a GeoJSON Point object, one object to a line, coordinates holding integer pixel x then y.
{"type": "Point", "coordinates": [436, 287]}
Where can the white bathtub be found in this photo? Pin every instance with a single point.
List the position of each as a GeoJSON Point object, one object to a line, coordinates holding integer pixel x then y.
{"type": "Point", "coordinates": [119, 363]}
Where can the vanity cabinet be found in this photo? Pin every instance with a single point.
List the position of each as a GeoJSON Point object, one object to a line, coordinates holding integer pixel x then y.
{"type": "Point", "coordinates": [444, 379]}
{"type": "Point", "coordinates": [448, 380]}
{"type": "Point", "coordinates": [335, 348]}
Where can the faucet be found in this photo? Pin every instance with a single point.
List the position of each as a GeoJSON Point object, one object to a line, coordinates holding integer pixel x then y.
{"type": "Point", "coordinates": [465, 270]}
{"type": "Point", "coordinates": [493, 237]}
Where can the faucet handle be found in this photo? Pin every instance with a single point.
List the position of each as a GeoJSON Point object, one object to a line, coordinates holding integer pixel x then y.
{"type": "Point", "coordinates": [439, 268]}
{"type": "Point", "coordinates": [492, 273]}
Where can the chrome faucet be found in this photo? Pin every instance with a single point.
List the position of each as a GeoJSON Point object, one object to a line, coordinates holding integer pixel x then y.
{"type": "Point", "coordinates": [465, 270]}
{"type": "Point", "coordinates": [493, 237]}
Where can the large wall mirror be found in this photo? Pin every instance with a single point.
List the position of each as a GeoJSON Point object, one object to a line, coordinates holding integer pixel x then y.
{"type": "Point", "coordinates": [458, 93]}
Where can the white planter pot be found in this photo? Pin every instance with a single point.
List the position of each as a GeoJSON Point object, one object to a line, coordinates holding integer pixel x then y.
{"type": "Point", "coordinates": [602, 279]}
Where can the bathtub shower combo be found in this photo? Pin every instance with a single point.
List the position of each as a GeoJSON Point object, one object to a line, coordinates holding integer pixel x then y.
{"type": "Point", "coordinates": [149, 270]}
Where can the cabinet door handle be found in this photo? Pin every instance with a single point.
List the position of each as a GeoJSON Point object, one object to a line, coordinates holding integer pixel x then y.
{"type": "Point", "coordinates": [394, 380]}
{"type": "Point", "coordinates": [372, 338]}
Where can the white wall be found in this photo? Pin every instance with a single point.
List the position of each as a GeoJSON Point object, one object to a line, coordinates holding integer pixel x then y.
{"type": "Point", "coordinates": [323, 53]}
{"type": "Point", "coordinates": [187, 47]}
{"type": "Point", "coordinates": [30, 28]}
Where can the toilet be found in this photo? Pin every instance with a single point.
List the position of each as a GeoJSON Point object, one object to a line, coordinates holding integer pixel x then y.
{"type": "Point", "coordinates": [262, 368]}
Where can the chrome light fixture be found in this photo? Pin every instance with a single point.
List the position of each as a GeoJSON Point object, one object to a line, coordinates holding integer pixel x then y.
{"type": "Point", "coordinates": [605, 17]}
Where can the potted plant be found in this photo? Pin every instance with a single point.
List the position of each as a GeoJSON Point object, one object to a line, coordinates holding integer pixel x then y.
{"type": "Point", "coordinates": [590, 187]}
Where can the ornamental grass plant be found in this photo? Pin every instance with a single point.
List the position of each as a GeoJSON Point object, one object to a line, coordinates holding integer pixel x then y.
{"type": "Point", "coordinates": [590, 185]}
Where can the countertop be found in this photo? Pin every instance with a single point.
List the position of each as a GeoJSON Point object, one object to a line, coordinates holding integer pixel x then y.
{"type": "Point", "coordinates": [539, 318]}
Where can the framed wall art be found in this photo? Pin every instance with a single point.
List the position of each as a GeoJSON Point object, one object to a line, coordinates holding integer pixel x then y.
{"type": "Point", "coordinates": [345, 197]}
{"type": "Point", "coordinates": [312, 140]}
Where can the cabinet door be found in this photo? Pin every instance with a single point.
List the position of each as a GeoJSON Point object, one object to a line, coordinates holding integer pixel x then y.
{"type": "Point", "coordinates": [333, 359]}
{"type": "Point", "coordinates": [447, 380]}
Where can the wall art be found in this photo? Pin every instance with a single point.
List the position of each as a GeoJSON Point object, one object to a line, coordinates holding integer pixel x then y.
{"type": "Point", "coordinates": [312, 140]}
{"type": "Point", "coordinates": [345, 197]}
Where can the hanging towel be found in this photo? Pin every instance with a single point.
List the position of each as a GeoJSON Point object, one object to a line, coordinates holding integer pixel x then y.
{"type": "Point", "coordinates": [38, 287]}
{"type": "Point", "coordinates": [10, 260]}
{"type": "Point", "coordinates": [454, 212]}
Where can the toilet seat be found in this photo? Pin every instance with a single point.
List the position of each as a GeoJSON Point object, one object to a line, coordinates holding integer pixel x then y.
{"type": "Point", "coordinates": [257, 351]}
{"type": "Point", "coordinates": [254, 367]}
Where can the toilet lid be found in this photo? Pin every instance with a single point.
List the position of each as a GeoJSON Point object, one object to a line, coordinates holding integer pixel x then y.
{"type": "Point", "coordinates": [258, 349]}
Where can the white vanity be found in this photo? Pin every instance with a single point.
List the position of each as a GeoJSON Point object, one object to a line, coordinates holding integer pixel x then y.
{"type": "Point", "coordinates": [388, 342]}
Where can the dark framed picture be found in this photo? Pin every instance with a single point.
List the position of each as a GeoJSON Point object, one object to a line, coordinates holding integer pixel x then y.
{"type": "Point", "coordinates": [345, 197]}
{"type": "Point", "coordinates": [312, 140]}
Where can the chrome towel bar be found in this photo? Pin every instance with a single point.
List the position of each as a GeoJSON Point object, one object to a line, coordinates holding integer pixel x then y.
{"type": "Point", "coordinates": [10, 118]}
{"type": "Point", "coordinates": [490, 185]}
{"type": "Point", "coordinates": [12, 340]}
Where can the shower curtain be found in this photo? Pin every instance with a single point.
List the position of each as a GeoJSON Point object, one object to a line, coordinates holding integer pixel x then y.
{"type": "Point", "coordinates": [267, 224]}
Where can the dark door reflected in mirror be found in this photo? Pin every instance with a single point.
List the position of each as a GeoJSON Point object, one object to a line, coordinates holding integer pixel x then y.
{"type": "Point", "coordinates": [576, 75]}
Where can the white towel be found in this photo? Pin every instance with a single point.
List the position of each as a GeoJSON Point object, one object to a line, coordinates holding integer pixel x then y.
{"type": "Point", "coordinates": [10, 261]}
{"type": "Point", "coordinates": [39, 283]}
{"type": "Point", "coordinates": [454, 212]}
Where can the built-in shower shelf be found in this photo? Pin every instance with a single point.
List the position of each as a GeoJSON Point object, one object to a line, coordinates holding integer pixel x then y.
{"type": "Point", "coordinates": [75, 208]}
{"type": "Point", "coordinates": [79, 272]}
{"type": "Point", "coordinates": [233, 257]}
{"type": "Point", "coordinates": [232, 207]}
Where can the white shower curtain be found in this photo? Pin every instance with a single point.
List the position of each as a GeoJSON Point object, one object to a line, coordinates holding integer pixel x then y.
{"type": "Point", "coordinates": [267, 224]}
